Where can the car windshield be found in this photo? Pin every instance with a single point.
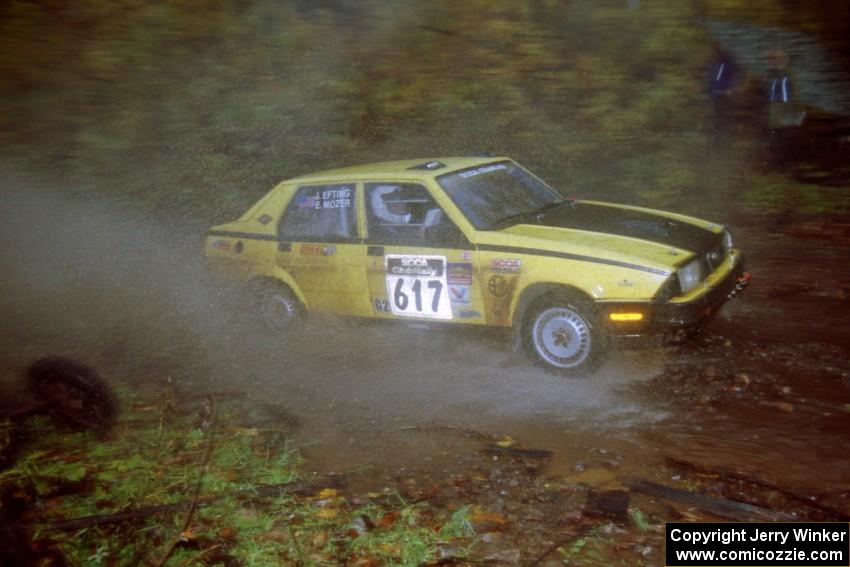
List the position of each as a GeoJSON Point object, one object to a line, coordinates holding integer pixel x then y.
{"type": "Point", "coordinates": [497, 195]}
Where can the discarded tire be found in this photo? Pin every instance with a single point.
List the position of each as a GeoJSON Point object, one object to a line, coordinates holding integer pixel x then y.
{"type": "Point", "coordinates": [73, 392]}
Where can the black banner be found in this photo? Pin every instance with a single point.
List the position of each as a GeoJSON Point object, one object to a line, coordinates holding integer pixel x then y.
{"type": "Point", "coordinates": [765, 544]}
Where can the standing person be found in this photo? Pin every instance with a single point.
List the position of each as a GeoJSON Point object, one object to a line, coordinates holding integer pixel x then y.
{"type": "Point", "coordinates": [722, 78]}
{"type": "Point", "coordinates": [782, 113]}
{"type": "Point", "coordinates": [782, 116]}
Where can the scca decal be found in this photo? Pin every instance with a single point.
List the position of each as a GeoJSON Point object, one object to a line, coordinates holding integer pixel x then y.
{"type": "Point", "coordinates": [420, 266]}
{"type": "Point", "coordinates": [506, 266]}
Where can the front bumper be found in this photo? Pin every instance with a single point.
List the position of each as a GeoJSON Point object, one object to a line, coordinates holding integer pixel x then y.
{"type": "Point", "coordinates": [676, 319]}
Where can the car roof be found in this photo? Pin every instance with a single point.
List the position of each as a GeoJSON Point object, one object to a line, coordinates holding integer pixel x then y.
{"type": "Point", "coordinates": [410, 168]}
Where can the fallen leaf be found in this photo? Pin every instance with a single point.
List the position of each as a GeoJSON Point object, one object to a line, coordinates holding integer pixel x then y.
{"type": "Point", "coordinates": [326, 493]}
{"type": "Point", "coordinates": [597, 477]}
{"type": "Point", "coordinates": [327, 513]}
{"type": "Point", "coordinates": [226, 533]}
{"type": "Point", "coordinates": [320, 539]}
{"type": "Point", "coordinates": [784, 406]}
{"type": "Point", "coordinates": [278, 536]}
{"type": "Point", "coordinates": [389, 548]}
{"type": "Point", "coordinates": [247, 431]}
{"type": "Point", "coordinates": [483, 520]}
{"type": "Point", "coordinates": [506, 441]}
{"type": "Point", "coordinates": [387, 520]}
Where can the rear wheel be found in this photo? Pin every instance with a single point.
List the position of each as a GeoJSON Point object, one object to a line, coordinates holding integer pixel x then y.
{"type": "Point", "coordinates": [278, 308]}
{"type": "Point", "coordinates": [561, 334]}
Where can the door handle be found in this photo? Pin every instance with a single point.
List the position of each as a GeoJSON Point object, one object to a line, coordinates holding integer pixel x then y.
{"type": "Point", "coordinates": [375, 251]}
{"type": "Point", "coordinates": [284, 246]}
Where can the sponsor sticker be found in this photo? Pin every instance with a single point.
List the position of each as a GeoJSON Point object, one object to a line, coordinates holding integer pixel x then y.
{"type": "Point", "coordinates": [318, 250]}
{"type": "Point", "coordinates": [459, 294]}
{"type": "Point", "coordinates": [480, 170]}
{"type": "Point", "coordinates": [467, 314]}
{"type": "Point", "coordinates": [466, 255]}
{"type": "Point", "coordinates": [497, 286]}
{"type": "Point", "coordinates": [504, 266]}
{"type": "Point", "coordinates": [223, 245]}
{"type": "Point", "coordinates": [382, 305]}
{"type": "Point", "coordinates": [459, 273]}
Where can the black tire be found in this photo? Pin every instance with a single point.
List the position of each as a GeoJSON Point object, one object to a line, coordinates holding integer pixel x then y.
{"type": "Point", "coordinates": [278, 308]}
{"type": "Point", "coordinates": [74, 393]}
{"type": "Point", "coordinates": [561, 333]}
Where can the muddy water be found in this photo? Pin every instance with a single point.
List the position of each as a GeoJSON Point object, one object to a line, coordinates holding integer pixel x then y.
{"type": "Point", "coordinates": [766, 390]}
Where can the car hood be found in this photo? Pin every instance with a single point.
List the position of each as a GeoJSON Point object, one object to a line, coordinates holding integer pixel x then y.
{"type": "Point", "coordinates": [656, 239]}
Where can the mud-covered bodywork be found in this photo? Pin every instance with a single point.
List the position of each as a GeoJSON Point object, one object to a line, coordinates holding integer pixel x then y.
{"type": "Point", "coordinates": [478, 242]}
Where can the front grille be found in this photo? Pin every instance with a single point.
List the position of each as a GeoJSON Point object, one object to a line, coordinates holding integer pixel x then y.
{"type": "Point", "coordinates": [713, 258]}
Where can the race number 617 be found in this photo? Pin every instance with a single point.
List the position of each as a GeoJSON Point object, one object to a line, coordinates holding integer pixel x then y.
{"type": "Point", "coordinates": [416, 286]}
{"type": "Point", "coordinates": [401, 298]}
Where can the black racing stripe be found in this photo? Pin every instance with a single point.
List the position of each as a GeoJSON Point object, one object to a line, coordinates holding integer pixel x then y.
{"type": "Point", "coordinates": [631, 223]}
{"type": "Point", "coordinates": [568, 256]}
{"type": "Point", "coordinates": [246, 235]}
{"type": "Point", "coordinates": [483, 247]}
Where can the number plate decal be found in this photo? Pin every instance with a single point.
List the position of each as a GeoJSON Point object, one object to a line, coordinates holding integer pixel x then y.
{"type": "Point", "coordinates": [417, 287]}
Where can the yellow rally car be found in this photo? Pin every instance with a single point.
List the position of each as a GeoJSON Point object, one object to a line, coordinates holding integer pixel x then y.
{"type": "Point", "coordinates": [478, 242]}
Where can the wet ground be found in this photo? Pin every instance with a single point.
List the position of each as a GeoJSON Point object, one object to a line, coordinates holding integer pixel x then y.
{"type": "Point", "coordinates": [764, 392]}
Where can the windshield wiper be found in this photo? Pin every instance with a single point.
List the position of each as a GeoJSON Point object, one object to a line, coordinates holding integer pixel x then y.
{"type": "Point", "coordinates": [526, 217]}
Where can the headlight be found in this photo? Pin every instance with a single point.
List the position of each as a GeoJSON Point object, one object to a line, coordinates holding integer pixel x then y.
{"type": "Point", "coordinates": [690, 276]}
{"type": "Point", "coordinates": [727, 240]}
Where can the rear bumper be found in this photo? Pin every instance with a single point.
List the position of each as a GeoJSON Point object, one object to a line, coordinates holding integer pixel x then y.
{"type": "Point", "coordinates": [676, 319]}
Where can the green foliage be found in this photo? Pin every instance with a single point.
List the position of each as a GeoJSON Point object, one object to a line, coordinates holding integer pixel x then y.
{"type": "Point", "coordinates": [776, 193]}
{"type": "Point", "coordinates": [154, 457]}
{"type": "Point", "coordinates": [591, 550]}
{"type": "Point", "coordinates": [459, 525]}
{"type": "Point", "coordinates": [230, 98]}
{"type": "Point", "coordinates": [639, 519]}
{"type": "Point", "coordinates": [171, 104]}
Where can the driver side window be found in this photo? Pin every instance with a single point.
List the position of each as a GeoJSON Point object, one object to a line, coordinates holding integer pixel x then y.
{"type": "Point", "coordinates": [405, 213]}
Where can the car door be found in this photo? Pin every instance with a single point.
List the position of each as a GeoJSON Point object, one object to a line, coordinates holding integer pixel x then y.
{"type": "Point", "coordinates": [320, 247]}
{"type": "Point", "coordinates": [419, 264]}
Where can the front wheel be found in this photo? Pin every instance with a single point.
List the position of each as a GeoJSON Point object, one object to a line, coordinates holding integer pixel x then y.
{"type": "Point", "coordinates": [560, 333]}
